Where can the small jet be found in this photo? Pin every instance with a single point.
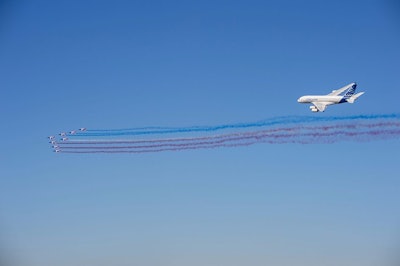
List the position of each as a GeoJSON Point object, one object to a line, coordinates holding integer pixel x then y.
{"type": "Point", "coordinates": [62, 134]}
{"type": "Point", "coordinates": [72, 132]}
{"type": "Point", "coordinates": [57, 150]}
{"type": "Point", "coordinates": [320, 102]}
{"type": "Point", "coordinates": [82, 129]}
{"type": "Point", "coordinates": [51, 137]}
{"type": "Point", "coordinates": [53, 142]}
{"type": "Point", "coordinates": [64, 139]}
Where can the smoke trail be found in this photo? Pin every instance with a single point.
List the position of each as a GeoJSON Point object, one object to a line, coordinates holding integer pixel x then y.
{"type": "Point", "coordinates": [221, 136]}
{"type": "Point", "coordinates": [279, 121]}
{"type": "Point", "coordinates": [384, 134]}
{"type": "Point", "coordinates": [298, 134]}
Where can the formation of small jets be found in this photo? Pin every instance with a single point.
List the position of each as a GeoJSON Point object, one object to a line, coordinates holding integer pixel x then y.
{"type": "Point", "coordinates": [63, 137]}
{"type": "Point", "coordinates": [320, 102]}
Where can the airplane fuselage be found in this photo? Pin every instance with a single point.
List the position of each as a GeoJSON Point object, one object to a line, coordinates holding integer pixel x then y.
{"type": "Point", "coordinates": [321, 98]}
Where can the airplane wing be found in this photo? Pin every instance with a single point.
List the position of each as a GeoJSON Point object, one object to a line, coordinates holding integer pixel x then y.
{"type": "Point", "coordinates": [339, 91]}
{"type": "Point", "coordinates": [320, 106]}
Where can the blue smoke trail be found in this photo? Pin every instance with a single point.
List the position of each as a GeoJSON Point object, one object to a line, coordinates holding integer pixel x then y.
{"type": "Point", "coordinates": [285, 120]}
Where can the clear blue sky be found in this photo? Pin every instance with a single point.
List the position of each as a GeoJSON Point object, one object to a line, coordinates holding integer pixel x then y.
{"type": "Point", "coordinates": [117, 64]}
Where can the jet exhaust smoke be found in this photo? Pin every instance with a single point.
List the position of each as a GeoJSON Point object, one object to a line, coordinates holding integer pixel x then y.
{"type": "Point", "coordinates": [281, 130]}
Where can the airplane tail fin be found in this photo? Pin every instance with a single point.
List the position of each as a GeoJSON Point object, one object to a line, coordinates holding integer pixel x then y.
{"type": "Point", "coordinates": [354, 97]}
{"type": "Point", "coordinates": [350, 92]}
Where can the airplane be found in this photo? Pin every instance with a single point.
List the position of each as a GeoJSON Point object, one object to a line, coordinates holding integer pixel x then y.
{"type": "Point", "coordinates": [72, 132]}
{"type": "Point", "coordinates": [51, 137]}
{"type": "Point", "coordinates": [82, 129]}
{"type": "Point", "coordinates": [320, 102]}
{"type": "Point", "coordinates": [63, 134]}
{"type": "Point", "coordinates": [64, 139]}
{"type": "Point", "coordinates": [53, 142]}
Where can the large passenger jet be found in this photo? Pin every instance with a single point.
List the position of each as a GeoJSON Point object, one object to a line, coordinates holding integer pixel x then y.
{"type": "Point", "coordinates": [320, 102]}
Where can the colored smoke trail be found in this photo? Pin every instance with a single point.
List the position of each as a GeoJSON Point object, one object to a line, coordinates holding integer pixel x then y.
{"type": "Point", "coordinates": [287, 120]}
{"type": "Point", "coordinates": [222, 136]}
{"type": "Point", "coordinates": [287, 139]}
{"type": "Point", "coordinates": [334, 129]}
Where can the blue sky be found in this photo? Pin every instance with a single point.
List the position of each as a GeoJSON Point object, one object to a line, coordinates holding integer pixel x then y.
{"type": "Point", "coordinates": [104, 64]}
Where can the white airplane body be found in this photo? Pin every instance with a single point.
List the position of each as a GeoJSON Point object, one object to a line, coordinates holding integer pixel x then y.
{"type": "Point", "coordinates": [320, 102]}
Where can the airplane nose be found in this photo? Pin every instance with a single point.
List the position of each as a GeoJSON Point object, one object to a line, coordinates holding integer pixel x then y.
{"type": "Point", "coordinates": [299, 100]}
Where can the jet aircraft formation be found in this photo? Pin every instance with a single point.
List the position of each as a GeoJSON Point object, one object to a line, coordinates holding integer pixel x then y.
{"type": "Point", "coordinates": [55, 144]}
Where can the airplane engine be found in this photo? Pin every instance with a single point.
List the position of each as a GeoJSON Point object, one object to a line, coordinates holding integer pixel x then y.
{"type": "Point", "coordinates": [313, 109]}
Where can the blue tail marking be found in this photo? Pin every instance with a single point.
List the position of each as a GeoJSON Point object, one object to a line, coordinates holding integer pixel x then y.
{"type": "Point", "coordinates": [350, 91]}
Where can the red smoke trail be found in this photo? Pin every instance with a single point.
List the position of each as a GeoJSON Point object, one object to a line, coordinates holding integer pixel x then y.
{"type": "Point", "coordinates": [250, 138]}
{"type": "Point", "coordinates": [223, 136]}
{"type": "Point", "coordinates": [277, 121]}
{"type": "Point", "coordinates": [259, 136]}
